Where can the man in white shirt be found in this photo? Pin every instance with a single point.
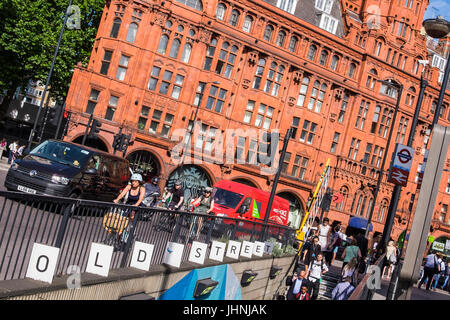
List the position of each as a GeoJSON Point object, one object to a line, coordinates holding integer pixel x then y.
{"type": "Point", "coordinates": [295, 284]}
{"type": "Point", "coordinates": [12, 151]}
{"type": "Point", "coordinates": [316, 269]}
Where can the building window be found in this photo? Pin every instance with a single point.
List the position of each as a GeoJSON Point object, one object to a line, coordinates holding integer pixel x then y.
{"type": "Point", "coordinates": [220, 11]}
{"type": "Point", "coordinates": [274, 78]}
{"type": "Point", "coordinates": [351, 70]}
{"type": "Point", "coordinates": [375, 119]}
{"type": "Point", "coordinates": [402, 130]}
{"type": "Point", "coordinates": [371, 79]}
{"type": "Point", "coordinates": [317, 96]}
{"type": "Point", "coordinates": [303, 91]}
{"type": "Point", "coordinates": [376, 156]}
{"type": "Point", "coordinates": [199, 93]}
{"type": "Point", "coordinates": [308, 132]}
{"type": "Point", "coordinates": [106, 62]}
{"type": "Point", "coordinates": [385, 122]}
{"type": "Point", "coordinates": [353, 150]}
{"type": "Point", "coordinates": [216, 99]}
{"type": "Point", "coordinates": [312, 52]}
{"type": "Point", "coordinates": [264, 116]}
{"type": "Point", "coordinates": [280, 38]}
{"type": "Point", "coordinates": [328, 23]}
{"type": "Point", "coordinates": [287, 5]}
{"type": "Point", "coordinates": [343, 108]}
{"type": "Point", "coordinates": [247, 26]}
{"type": "Point", "coordinates": [324, 5]}
{"type": "Point", "coordinates": [334, 62]}
{"type": "Point", "coordinates": [163, 44]}
{"type": "Point", "coordinates": [156, 120]}
{"type": "Point", "coordinates": [378, 48]}
{"type": "Point", "coordinates": [175, 48]}
{"type": "Point", "coordinates": [210, 54]}
{"type": "Point", "coordinates": [367, 153]}
{"type": "Point", "coordinates": [323, 57]}
{"type": "Point", "coordinates": [249, 111]}
{"type": "Point", "coordinates": [299, 167]}
{"type": "Point", "coordinates": [268, 33]}
{"type": "Point", "coordinates": [168, 120]}
{"type": "Point", "coordinates": [115, 28]}
{"type": "Point", "coordinates": [226, 60]}
{"type": "Point", "coordinates": [293, 44]}
{"type": "Point", "coordinates": [234, 17]}
{"type": "Point", "coordinates": [154, 78]}
{"type": "Point", "coordinates": [122, 69]}
{"type": "Point", "coordinates": [132, 31]}
{"type": "Point", "coordinates": [362, 113]}
{"type": "Point", "coordinates": [285, 164]}
{"type": "Point", "coordinates": [194, 4]}
{"type": "Point", "coordinates": [186, 54]}
{"type": "Point", "coordinates": [344, 192]}
{"type": "Point", "coordinates": [92, 103]}
{"type": "Point", "coordinates": [259, 73]}
{"type": "Point", "coordinates": [383, 210]}
{"type": "Point", "coordinates": [240, 149]}
{"type": "Point", "coordinates": [178, 84]}
{"type": "Point", "coordinates": [447, 188]}
{"type": "Point", "coordinates": [294, 127]}
{"type": "Point", "coordinates": [112, 106]}
{"type": "Point", "coordinates": [335, 142]}
{"type": "Point", "coordinates": [143, 117]}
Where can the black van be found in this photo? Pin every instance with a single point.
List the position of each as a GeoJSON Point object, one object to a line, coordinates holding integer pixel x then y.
{"type": "Point", "coordinates": [65, 169]}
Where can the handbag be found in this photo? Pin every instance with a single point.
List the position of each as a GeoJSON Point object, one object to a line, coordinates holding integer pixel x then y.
{"type": "Point", "coordinates": [392, 258]}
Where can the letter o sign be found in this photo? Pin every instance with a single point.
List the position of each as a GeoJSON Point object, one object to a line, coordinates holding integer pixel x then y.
{"type": "Point", "coordinates": [42, 263]}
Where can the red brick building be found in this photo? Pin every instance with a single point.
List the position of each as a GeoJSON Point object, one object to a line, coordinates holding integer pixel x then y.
{"type": "Point", "coordinates": [308, 64]}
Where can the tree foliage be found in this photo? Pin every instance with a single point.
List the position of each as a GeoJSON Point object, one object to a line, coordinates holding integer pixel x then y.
{"type": "Point", "coordinates": [29, 32]}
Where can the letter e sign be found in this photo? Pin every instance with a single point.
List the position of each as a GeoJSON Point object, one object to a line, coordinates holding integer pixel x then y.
{"type": "Point", "coordinates": [42, 263]}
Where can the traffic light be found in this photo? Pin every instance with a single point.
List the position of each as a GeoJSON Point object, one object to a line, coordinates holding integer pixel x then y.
{"type": "Point", "coordinates": [117, 143]}
{"type": "Point", "coordinates": [66, 122]}
{"type": "Point", "coordinates": [95, 128]}
{"type": "Point", "coordinates": [125, 142]}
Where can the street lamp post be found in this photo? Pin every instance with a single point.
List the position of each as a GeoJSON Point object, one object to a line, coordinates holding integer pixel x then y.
{"type": "Point", "coordinates": [399, 88]}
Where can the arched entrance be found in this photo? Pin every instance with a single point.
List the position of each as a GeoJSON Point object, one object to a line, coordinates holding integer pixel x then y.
{"type": "Point", "coordinates": [246, 182]}
{"type": "Point", "coordinates": [194, 179]}
{"type": "Point", "coordinates": [95, 143]}
{"type": "Point", "coordinates": [296, 209]}
{"type": "Point", "coordinates": [145, 163]}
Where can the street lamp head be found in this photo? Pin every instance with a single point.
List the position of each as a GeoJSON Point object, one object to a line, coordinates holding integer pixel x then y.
{"type": "Point", "coordinates": [436, 28]}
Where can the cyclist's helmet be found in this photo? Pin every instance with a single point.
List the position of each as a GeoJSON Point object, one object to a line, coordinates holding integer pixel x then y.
{"type": "Point", "coordinates": [178, 183]}
{"type": "Point", "coordinates": [136, 177]}
{"type": "Point", "coordinates": [155, 180]}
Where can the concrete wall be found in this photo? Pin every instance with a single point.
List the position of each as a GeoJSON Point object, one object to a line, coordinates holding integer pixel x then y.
{"type": "Point", "coordinates": [128, 281]}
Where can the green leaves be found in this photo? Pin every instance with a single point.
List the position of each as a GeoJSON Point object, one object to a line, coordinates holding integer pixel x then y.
{"type": "Point", "coordinates": [29, 31]}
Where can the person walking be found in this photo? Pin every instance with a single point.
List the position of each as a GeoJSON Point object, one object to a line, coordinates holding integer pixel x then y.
{"type": "Point", "coordinates": [430, 268]}
{"type": "Point", "coordinates": [295, 284]}
{"type": "Point", "coordinates": [390, 259]}
{"type": "Point", "coordinates": [2, 147]}
{"type": "Point", "coordinates": [446, 275]}
{"type": "Point", "coordinates": [323, 231]}
{"type": "Point", "coordinates": [303, 294]}
{"type": "Point", "coordinates": [351, 251]}
{"type": "Point", "coordinates": [336, 239]}
{"type": "Point", "coordinates": [12, 151]}
{"type": "Point", "coordinates": [343, 290]}
{"type": "Point", "coordinates": [314, 249]}
{"type": "Point", "coordinates": [349, 269]}
{"type": "Point", "coordinates": [204, 205]}
{"type": "Point", "coordinates": [441, 273]}
{"type": "Point", "coordinates": [316, 269]}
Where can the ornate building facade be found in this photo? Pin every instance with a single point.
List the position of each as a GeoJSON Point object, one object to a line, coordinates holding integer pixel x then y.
{"type": "Point", "coordinates": [310, 65]}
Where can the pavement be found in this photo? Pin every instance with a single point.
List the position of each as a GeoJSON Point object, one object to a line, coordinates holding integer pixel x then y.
{"type": "Point", "coordinates": [4, 166]}
{"type": "Point", "coordinates": [416, 294]}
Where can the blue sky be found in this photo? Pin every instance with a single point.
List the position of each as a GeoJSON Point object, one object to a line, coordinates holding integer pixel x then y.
{"type": "Point", "coordinates": [438, 7]}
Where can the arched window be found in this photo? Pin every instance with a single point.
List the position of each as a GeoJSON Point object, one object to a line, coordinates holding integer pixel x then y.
{"type": "Point", "coordinates": [210, 54]}
{"type": "Point", "coordinates": [312, 52]}
{"type": "Point", "coordinates": [115, 28]}
{"type": "Point", "coordinates": [323, 57]}
{"type": "Point", "coordinates": [334, 62]}
{"type": "Point", "coordinates": [371, 79]}
{"type": "Point", "coordinates": [351, 70]}
{"type": "Point", "coordinates": [194, 4]}
{"type": "Point", "coordinates": [383, 210]}
{"type": "Point", "coordinates": [259, 73]}
{"type": "Point", "coordinates": [293, 44]}
{"type": "Point", "coordinates": [385, 122]}
{"type": "Point", "coordinates": [163, 44]}
{"type": "Point", "coordinates": [344, 192]}
{"type": "Point", "coordinates": [186, 54]}
{"type": "Point", "coordinates": [175, 48]}
{"type": "Point", "coordinates": [220, 11]}
{"type": "Point", "coordinates": [303, 91]}
{"type": "Point", "coordinates": [234, 17]}
{"type": "Point", "coordinates": [280, 38]}
{"type": "Point", "coordinates": [268, 33]}
{"type": "Point", "coordinates": [132, 31]}
{"type": "Point", "coordinates": [247, 26]}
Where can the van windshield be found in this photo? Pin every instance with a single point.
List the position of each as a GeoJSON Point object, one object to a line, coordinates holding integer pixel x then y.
{"type": "Point", "coordinates": [62, 152]}
{"type": "Point", "coordinates": [227, 198]}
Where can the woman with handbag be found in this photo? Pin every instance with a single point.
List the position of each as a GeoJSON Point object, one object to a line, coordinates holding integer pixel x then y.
{"type": "Point", "coordinates": [390, 259]}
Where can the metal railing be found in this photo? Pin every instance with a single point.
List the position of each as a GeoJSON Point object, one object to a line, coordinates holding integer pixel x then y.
{"type": "Point", "coordinates": [72, 225]}
{"type": "Point", "coordinates": [362, 290]}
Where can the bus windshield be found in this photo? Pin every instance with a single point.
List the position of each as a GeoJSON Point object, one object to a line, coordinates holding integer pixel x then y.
{"type": "Point", "coordinates": [227, 198]}
{"type": "Point", "coordinates": [62, 152]}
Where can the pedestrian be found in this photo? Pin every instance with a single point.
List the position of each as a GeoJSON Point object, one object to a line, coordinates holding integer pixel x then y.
{"type": "Point", "coordinates": [351, 251]}
{"type": "Point", "coordinates": [177, 194]}
{"type": "Point", "coordinates": [295, 284]}
{"type": "Point", "coordinates": [362, 243]}
{"type": "Point", "coordinates": [152, 193]}
{"type": "Point", "coordinates": [314, 249]}
{"type": "Point", "coordinates": [430, 268]}
{"type": "Point", "coordinates": [447, 275]}
{"type": "Point", "coordinates": [12, 151]}
{"type": "Point", "coordinates": [323, 231]}
{"type": "Point", "coordinates": [343, 290]}
{"type": "Point", "coordinates": [303, 294]}
{"type": "Point", "coordinates": [349, 269]}
{"type": "Point", "coordinates": [441, 273]}
{"type": "Point", "coordinates": [2, 147]}
{"type": "Point", "coordinates": [336, 239]}
{"type": "Point", "coordinates": [316, 269]}
{"type": "Point", "coordinates": [204, 205]}
{"type": "Point", "coordinates": [20, 151]}
{"type": "Point", "coordinates": [390, 259]}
